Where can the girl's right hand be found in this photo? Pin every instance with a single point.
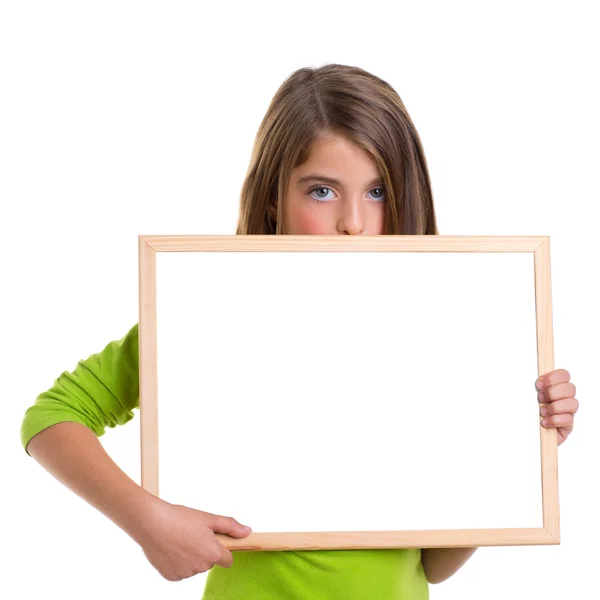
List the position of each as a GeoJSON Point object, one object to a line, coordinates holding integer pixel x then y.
{"type": "Point", "coordinates": [180, 542]}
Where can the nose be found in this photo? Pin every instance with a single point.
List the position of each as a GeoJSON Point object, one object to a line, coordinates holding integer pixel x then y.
{"type": "Point", "coordinates": [352, 221]}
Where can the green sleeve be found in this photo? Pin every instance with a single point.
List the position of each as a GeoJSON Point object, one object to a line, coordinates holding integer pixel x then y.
{"type": "Point", "coordinates": [101, 392]}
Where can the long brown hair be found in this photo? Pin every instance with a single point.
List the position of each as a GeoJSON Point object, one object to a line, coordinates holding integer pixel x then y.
{"type": "Point", "coordinates": [347, 101]}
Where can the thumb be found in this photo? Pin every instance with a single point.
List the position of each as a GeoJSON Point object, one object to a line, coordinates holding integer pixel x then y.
{"type": "Point", "coordinates": [230, 526]}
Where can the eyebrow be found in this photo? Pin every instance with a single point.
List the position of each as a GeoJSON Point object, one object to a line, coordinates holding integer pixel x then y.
{"type": "Point", "coordinates": [332, 181]}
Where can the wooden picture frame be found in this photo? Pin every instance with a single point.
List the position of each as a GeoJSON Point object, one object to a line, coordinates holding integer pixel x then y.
{"type": "Point", "coordinates": [537, 246]}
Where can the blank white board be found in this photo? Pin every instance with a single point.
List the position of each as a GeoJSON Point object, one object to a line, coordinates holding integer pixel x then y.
{"type": "Point", "coordinates": [349, 391]}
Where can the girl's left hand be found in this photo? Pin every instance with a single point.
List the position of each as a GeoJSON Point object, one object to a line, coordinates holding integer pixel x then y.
{"type": "Point", "coordinates": [558, 404]}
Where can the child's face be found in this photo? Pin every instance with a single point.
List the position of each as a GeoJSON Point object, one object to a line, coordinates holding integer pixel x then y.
{"type": "Point", "coordinates": [355, 205]}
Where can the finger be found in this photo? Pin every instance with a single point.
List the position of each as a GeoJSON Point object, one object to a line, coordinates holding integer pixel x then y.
{"type": "Point", "coordinates": [553, 377]}
{"type": "Point", "coordinates": [563, 420]}
{"type": "Point", "coordinates": [559, 391]}
{"type": "Point", "coordinates": [226, 559]}
{"type": "Point", "coordinates": [567, 405]}
{"type": "Point", "coordinates": [229, 526]}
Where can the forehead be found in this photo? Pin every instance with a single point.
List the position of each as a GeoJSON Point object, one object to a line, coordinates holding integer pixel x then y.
{"type": "Point", "coordinates": [333, 157]}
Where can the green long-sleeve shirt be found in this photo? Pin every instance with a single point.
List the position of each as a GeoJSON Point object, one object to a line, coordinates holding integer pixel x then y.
{"type": "Point", "coordinates": [102, 392]}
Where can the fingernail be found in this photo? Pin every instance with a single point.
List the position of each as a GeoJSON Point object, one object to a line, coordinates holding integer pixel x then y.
{"type": "Point", "coordinates": [538, 384]}
{"type": "Point", "coordinates": [247, 528]}
{"type": "Point", "coordinates": [544, 422]}
{"type": "Point", "coordinates": [544, 411]}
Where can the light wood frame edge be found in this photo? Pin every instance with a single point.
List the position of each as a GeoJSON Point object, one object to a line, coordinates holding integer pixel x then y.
{"type": "Point", "coordinates": [538, 245]}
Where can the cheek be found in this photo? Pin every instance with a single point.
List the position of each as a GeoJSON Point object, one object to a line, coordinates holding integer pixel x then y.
{"type": "Point", "coordinates": [311, 223]}
{"type": "Point", "coordinates": [306, 220]}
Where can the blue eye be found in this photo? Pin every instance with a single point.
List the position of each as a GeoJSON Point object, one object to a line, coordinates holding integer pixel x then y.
{"type": "Point", "coordinates": [382, 192]}
{"type": "Point", "coordinates": [323, 187]}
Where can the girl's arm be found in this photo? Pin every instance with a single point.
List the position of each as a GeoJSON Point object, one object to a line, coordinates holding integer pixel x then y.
{"type": "Point", "coordinates": [61, 429]}
{"type": "Point", "coordinates": [73, 454]}
{"type": "Point", "coordinates": [101, 392]}
{"type": "Point", "coordinates": [441, 563]}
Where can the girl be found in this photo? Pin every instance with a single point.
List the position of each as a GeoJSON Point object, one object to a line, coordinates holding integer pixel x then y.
{"type": "Point", "coordinates": [336, 153]}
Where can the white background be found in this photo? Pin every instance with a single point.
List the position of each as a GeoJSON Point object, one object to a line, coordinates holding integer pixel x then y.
{"type": "Point", "coordinates": [369, 408]}
{"type": "Point", "coordinates": [126, 118]}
